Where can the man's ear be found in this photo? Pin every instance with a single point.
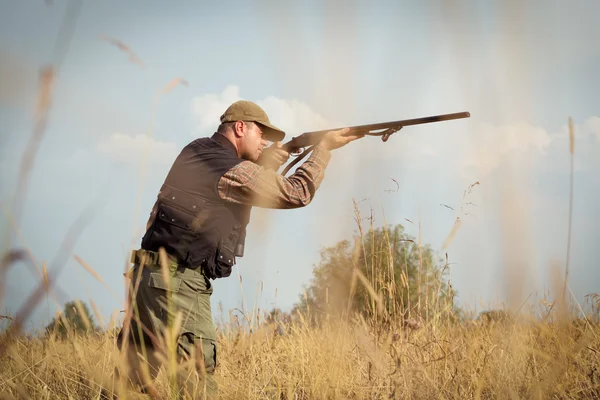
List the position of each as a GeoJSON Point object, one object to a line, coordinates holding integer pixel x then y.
{"type": "Point", "coordinates": [238, 129]}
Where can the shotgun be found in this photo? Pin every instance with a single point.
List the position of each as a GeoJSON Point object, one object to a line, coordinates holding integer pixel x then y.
{"type": "Point", "coordinates": [301, 146]}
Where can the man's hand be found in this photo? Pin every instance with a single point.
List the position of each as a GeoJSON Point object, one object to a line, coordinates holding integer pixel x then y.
{"type": "Point", "coordinates": [273, 157]}
{"type": "Point", "coordinates": [336, 139]}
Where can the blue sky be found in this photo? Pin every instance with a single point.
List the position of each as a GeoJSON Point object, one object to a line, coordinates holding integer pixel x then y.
{"type": "Point", "coordinates": [520, 69]}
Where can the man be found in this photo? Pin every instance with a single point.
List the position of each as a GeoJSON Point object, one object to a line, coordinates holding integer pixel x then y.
{"type": "Point", "coordinates": [197, 229]}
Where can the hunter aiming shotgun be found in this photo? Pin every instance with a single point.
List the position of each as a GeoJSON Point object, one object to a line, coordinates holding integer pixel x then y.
{"type": "Point", "coordinates": [199, 222]}
{"type": "Point", "coordinates": [297, 145]}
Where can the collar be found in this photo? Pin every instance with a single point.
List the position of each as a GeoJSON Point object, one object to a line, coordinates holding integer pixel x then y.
{"type": "Point", "coordinates": [217, 137]}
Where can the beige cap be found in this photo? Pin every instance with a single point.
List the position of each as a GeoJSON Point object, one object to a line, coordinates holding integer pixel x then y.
{"type": "Point", "coordinates": [245, 110]}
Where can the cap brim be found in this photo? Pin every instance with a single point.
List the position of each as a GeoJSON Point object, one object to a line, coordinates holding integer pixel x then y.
{"type": "Point", "coordinates": [272, 133]}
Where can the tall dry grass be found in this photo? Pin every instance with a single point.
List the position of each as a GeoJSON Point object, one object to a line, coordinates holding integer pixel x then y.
{"type": "Point", "coordinates": [546, 349]}
{"type": "Point", "coordinates": [478, 359]}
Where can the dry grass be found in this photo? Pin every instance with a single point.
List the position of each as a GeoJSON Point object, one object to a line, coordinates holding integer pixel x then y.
{"type": "Point", "coordinates": [536, 352]}
{"type": "Point", "coordinates": [524, 359]}
{"type": "Point", "coordinates": [458, 361]}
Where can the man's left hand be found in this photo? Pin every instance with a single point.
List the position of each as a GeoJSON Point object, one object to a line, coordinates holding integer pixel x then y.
{"type": "Point", "coordinates": [273, 157]}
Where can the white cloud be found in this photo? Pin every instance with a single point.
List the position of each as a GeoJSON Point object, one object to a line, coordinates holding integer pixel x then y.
{"type": "Point", "coordinates": [129, 149]}
{"type": "Point", "coordinates": [596, 126]}
{"type": "Point", "coordinates": [207, 108]}
{"type": "Point", "coordinates": [590, 127]}
{"type": "Point", "coordinates": [293, 116]}
{"type": "Point", "coordinates": [491, 145]}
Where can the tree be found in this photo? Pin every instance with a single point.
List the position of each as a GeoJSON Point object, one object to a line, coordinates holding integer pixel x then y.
{"type": "Point", "coordinates": [75, 318]}
{"type": "Point", "coordinates": [383, 273]}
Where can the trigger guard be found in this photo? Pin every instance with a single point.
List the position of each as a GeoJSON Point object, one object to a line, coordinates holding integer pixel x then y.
{"type": "Point", "coordinates": [389, 133]}
{"type": "Point", "coordinates": [298, 152]}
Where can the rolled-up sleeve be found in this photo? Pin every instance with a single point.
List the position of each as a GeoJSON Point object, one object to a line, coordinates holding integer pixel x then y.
{"type": "Point", "coordinates": [250, 183]}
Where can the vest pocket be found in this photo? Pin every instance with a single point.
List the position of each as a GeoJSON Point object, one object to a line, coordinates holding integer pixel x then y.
{"type": "Point", "coordinates": [226, 250]}
{"type": "Point", "coordinates": [225, 255]}
{"type": "Point", "coordinates": [224, 261]}
{"type": "Point", "coordinates": [173, 229]}
{"type": "Point", "coordinates": [178, 218]}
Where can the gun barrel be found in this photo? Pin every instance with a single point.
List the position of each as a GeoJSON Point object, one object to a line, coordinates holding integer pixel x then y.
{"type": "Point", "coordinates": [406, 122]}
{"type": "Point", "coordinates": [310, 138]}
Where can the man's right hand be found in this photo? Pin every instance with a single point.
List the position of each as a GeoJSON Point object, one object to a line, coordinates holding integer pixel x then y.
{"type": "Point", "coordinates": [336, 139]}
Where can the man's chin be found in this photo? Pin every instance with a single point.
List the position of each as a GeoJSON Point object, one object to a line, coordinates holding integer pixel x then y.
{"type": "Point", "coordinates": [247, 157]}
{"type": "Point", "coordinates": [254, 159]}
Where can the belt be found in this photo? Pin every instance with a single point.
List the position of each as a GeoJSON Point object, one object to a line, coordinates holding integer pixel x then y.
{"type": "Point", "coordinates": [148, 257]}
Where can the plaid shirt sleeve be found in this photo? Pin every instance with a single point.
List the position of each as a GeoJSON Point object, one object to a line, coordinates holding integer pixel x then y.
{"type": "Point", "coordinates": [250, 183]}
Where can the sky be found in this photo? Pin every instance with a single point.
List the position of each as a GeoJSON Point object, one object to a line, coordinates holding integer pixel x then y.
{"type": "Point", "coordinates": [113, 131]}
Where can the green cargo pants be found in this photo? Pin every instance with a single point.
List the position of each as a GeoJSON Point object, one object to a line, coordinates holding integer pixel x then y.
{"type": "Point", "coordinates": [156, 304]}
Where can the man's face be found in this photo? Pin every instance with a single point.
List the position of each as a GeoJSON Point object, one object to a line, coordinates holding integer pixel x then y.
{"type": "Point", "coordinates": [252, 143]}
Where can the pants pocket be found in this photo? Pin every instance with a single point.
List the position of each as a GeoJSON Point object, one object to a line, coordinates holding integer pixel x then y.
{"type": "Point", "coordinates": [157, 281]}
{"type": "Point", "coordinates": [209, 349]}
{"type": "Point", "coordinates": [203, 350]}
{"type": "Point", "coordinates": [162, 294]}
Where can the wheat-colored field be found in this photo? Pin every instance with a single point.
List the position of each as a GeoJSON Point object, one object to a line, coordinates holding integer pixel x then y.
{"type": "Point", "coordinates": [366, 339]}
{"type": "Point", "coordinates": [378, 330]}
{"type": "Point", "coordinates": [341, 359]}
